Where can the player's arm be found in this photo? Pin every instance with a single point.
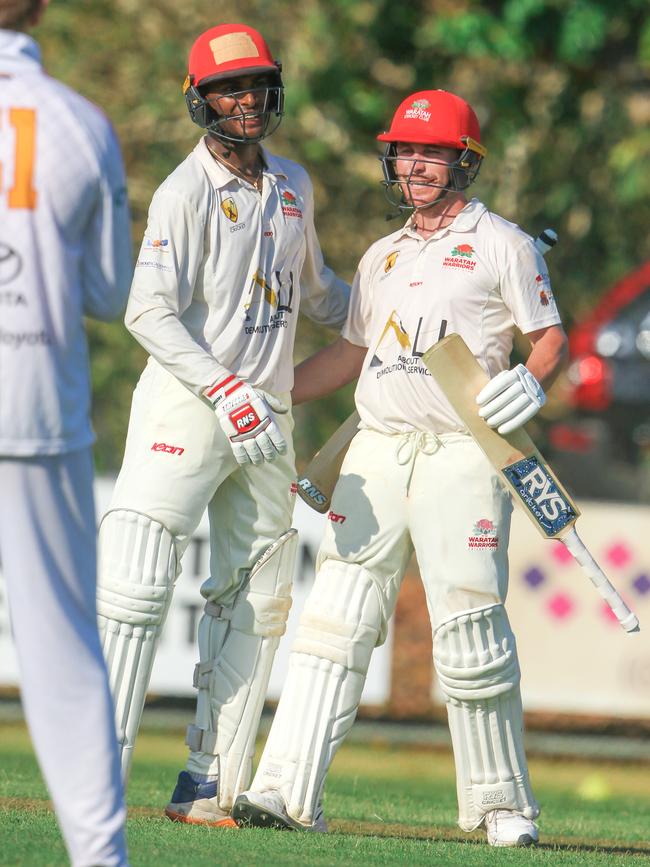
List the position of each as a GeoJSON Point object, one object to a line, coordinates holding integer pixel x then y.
{"type": "Point", "coordinates": [513, 397]}
{"type": "Point", "coordinates": [548, 355]}
{"type": "Point", "coordinates": [324, 296]}
{"type": "Point", "coordinates": [163, 288]}
{"type": "Point", "coordinates": [332, 367]}
{"type": "Point", "coordinates": [106, 267]}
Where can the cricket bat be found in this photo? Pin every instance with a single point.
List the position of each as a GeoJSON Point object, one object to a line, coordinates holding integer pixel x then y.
{"type": "Point", "coordinates": [316, 486]}
{"type": "Point", "coordinates": [521, 466]}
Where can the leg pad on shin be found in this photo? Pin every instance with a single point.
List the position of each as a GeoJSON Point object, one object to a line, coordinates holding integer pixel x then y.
{"type": "Point", "coordinates": [329, 659]}
{"type": "Point", "coordinates": [237, 646]}
{"type": "Point", "coordinates": [137, 568]}
{"type": "Point", "coordinates": [476, 662]}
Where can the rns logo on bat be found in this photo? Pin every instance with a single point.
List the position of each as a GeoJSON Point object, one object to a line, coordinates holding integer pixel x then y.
{"type": "Point", "coordinates": [312, 491]}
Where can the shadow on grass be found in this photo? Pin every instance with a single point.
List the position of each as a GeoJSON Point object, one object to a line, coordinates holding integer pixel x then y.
{"type": "Point", "coordinates": [452, 835]}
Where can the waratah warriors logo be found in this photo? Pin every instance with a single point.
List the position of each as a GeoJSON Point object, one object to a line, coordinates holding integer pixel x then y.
{"type": "Point", "coordinates": [290, 206]}
{"type": "Point", "coordinates": [465, 250]}
{"type": "Point", "coordinates": [418, 110]}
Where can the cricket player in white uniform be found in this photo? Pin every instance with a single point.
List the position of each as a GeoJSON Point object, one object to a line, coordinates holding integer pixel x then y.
{"type": "Point", "coordinates": [65, 253]}
{"type": "Point", "coordinates": [230, 253]}
{"type": "Point", "coordinates": [414, 479]}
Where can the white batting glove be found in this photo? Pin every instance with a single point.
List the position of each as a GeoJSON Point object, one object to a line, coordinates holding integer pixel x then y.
{"type": "Point", "coordinates": [247, 419]}
{"type": "Point", "coordinates": [510, 399]}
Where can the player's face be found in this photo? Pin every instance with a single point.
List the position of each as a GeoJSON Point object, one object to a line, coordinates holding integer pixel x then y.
{"type": "Point", "coordinates": [242, 101]}
{"type": "Point", "coordinates": [423, 171]}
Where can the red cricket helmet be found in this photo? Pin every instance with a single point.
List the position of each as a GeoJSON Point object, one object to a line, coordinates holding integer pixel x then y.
{"type": "Point", "coordinates": [228, 51]}
{"type": "Point", "coordinates": [433, 117]}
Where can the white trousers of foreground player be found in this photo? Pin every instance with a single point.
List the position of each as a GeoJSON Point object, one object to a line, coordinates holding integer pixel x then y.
{"type": "Point", "coordinates": [441, 497]}
{"type": "Point", "coordinates": [47, 548]}
{"type": "Point", "coordinates": [178, 463]}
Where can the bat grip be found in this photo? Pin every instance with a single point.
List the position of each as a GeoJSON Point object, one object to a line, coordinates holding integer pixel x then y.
{"type": "Point", "coordinates": [578, 550]}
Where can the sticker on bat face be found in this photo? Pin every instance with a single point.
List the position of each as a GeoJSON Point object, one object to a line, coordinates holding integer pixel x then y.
{"type": "Point", "coordinates": [312, 491]}
{"type": "Point", "coordinates": [540, 494]}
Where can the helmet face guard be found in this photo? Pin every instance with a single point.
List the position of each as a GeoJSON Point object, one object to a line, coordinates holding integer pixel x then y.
{"type": "Point", "coordinates": [463, 171]}
{"type": "Point", "coordinates": [270, 107]}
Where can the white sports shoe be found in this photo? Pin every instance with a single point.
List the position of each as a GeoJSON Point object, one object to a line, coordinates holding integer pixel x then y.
{"type": "Point", "coordinates": [507, 828]}
{"type": "Point", "coordinates": [197, 804]}
{"type": "Point", "coordinates": [268, 810]}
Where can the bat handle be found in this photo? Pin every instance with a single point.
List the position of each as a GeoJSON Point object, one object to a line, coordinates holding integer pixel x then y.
{"type": "Point", "coordinates": [546, 240]}
{"type": "Point", "coordinates": [623, 614]}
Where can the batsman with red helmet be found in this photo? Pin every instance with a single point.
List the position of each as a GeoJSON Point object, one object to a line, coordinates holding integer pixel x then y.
{"type": "Point", "coordinates": [229, 254]}
{"type": "Point", "coordinates": [414, 479]}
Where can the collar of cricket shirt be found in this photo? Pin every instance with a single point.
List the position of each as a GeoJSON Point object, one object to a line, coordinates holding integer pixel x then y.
{"type": "Point", "coordinates": [464, 221]}
{"type": "Point", "coordinates": [222, 176]}
{"type": "Point", "coordinates": [18, 50]}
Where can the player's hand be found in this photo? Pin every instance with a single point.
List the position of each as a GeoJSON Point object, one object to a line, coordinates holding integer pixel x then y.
{"type": "Point", "coordinates": [246, 417]}
{"type": "Point", "coordinates": [510, 399]}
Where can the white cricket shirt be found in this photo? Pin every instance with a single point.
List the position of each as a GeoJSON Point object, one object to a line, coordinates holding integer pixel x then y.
{"type": "Point", "coordinates": [65, 251]}
{"type": "Point", "coordinates": [222, 271]}
{"type": "Point", "coordinates": [482, 274]}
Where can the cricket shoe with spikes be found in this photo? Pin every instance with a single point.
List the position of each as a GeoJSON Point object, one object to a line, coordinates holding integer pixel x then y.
{"type": "Point", "coordinates": [268, 810]}
{"type": "Point", "coordinates": [507, 828]}
{"type": "Point", "coordinates": [197, 804]}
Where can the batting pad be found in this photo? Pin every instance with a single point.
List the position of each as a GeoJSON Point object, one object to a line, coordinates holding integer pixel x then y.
{"type": "Point", "coordinates": [329, 659]}
{"type": "Point", "coordinates": [476, 662]}
{"type": "Point", "coordinates": [237, 646]}
{"type": "Point", "coordinates": [137, 568]}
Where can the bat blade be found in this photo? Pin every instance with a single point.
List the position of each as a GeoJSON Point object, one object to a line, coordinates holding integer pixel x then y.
{"type": "Point", "coordinates": [523, 469]}
{"type": "Point", "coordinates": [317, 484]}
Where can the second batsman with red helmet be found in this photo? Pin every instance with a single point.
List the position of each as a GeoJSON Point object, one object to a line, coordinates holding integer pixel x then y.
{"type": "Point", "coordinates": [413, 479]}
{"type": "Point", "coordinates": [229, 255]}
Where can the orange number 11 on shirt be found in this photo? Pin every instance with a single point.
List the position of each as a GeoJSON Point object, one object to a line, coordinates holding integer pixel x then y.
{"type": "Point", "coordinates": [22, 194]}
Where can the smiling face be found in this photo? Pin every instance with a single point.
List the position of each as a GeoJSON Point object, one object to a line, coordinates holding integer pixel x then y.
{"type": "Point", "coordinates": [423, 171]}
{"type": "Point", "coordinates": [243, 102]}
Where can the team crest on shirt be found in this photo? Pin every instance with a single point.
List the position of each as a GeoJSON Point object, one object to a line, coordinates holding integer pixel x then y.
{"type": "Point", "coordinates": [229, 208]}
{"type": "Point", "coordinates": [289, 201]}
{"type": "Point", "coordinates": [462, 256]}
{"type": "Point", "coordinates": [390, 261]}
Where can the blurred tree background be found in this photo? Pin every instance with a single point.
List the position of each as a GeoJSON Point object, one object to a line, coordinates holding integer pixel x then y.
{"type": "Point", "coordinates": [562, 90]}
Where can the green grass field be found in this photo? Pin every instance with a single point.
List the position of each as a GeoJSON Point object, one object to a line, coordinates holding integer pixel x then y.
{"type": "Point", "coordinates": [384, 805]}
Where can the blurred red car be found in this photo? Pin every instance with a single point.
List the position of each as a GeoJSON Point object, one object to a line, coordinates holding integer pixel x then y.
{"type": "Point", "coordinates": [609, 380]}
{"type": "Point", "coordinates": [610, 351]}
